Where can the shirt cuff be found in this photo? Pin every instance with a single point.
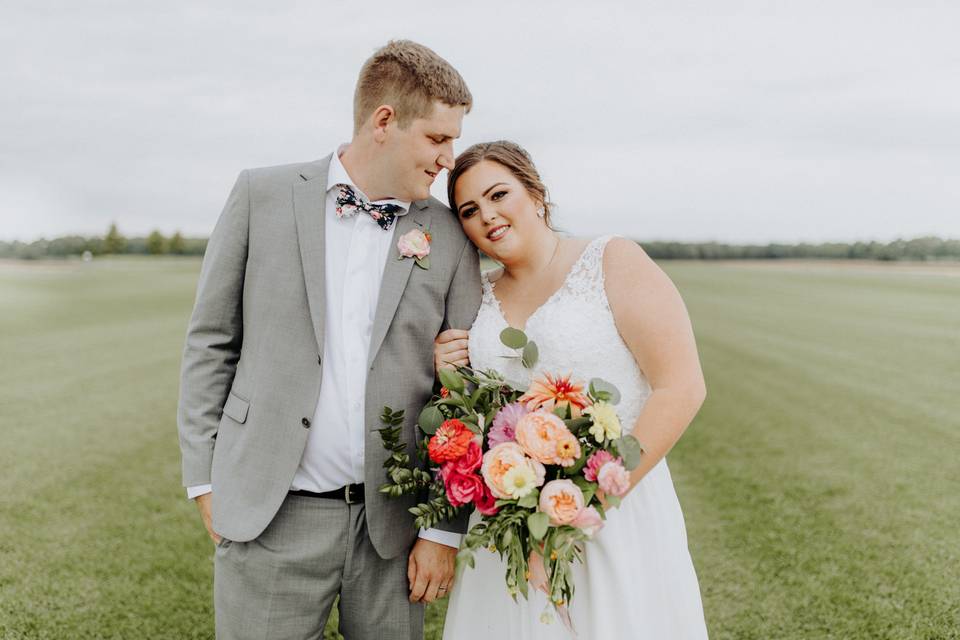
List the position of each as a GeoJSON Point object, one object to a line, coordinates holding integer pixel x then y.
{"type": "Point", "coordinates": [198, 490]}
{"type": "Point", "coordinates": [448, 538]}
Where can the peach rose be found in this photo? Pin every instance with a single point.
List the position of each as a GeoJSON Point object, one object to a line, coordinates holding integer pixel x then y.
{"type": "Point", "coordinates": [546, 439]}
{"type": "Point", "coordinates": [562, 501]}
{"type": "Point", "coordinates": [500, 459]}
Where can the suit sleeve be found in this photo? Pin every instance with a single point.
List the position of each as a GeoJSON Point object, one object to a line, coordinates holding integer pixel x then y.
{"type": "Point", "coordinates": [463, 297]}
{"type": "Point", "coordinates": [214, 336]}
{"type": "Point", "coordinates": [463, 301]}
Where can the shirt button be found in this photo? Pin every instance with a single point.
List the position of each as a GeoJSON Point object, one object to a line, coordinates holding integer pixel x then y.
{"type": "Point", "coordinates": [306, 423]}
{"type": "Point", "coordinates": [356, 405]}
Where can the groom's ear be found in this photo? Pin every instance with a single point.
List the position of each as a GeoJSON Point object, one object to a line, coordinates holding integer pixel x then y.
{"type": "Point", "coordinates": [382, 117]}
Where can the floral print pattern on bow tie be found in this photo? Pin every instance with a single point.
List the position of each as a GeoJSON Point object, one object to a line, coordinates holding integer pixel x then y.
{"type": "Point", "coordinates": [350, 203]}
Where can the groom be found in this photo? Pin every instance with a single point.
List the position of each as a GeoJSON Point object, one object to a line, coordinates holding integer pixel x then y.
{"type": "Point", "coordinates": [312, 314]}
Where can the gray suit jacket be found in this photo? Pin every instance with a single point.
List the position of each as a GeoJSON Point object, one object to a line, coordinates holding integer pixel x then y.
{"type": "Point", "coordinates": [252, 362]}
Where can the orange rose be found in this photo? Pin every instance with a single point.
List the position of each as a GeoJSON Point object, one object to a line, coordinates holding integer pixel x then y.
{"type": "Point", "coordinates": [449, 442]}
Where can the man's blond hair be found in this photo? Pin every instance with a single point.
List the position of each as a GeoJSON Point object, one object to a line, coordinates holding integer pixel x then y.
{"type": "Point", "coordinates": [410, 78]}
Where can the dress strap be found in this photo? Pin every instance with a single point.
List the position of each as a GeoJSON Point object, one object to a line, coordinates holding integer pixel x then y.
{"type": "Point", "coordinates": [587, 274]}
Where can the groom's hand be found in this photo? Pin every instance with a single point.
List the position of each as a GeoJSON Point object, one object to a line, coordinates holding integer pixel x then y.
{"type": "Point", "coordinates": [203, 503]}
{"type": "Point", "coordinates": [430, 570]}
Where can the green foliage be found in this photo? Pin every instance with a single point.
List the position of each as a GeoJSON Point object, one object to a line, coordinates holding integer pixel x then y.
{"type": "Point", "coordinates": [604, 391]}
{"type": "Point", "coordinates": [430, 420]}
{"type": "Point", "coordinates": [513, 338]}
{"type": "Point", "coordinates": [530, 355]}
{"type": "Point", "coordinates": [431, 513]}
{"type": "Point", "coordinates": [630, 450]}
{"type": "Point", "coordinates": [114, 242]}
{"type": "Point", "coordinates": [156, 243]}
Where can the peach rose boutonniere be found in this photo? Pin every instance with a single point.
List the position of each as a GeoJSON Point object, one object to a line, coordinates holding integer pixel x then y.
{"type": "Point", "coordinates": [416, 244]}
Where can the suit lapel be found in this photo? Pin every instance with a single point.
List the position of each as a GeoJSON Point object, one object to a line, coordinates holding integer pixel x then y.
{"type": "Point", "coordinates": [395, 275]}
{"type": "Point", "coordinates": [309, 208]}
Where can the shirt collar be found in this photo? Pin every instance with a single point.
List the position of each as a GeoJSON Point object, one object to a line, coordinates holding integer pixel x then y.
{"type": "Point", "coordinates": [337, 174]}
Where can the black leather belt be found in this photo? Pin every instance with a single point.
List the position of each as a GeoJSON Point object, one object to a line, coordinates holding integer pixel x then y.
{"type": "Point", "coordinates": [350, 494]}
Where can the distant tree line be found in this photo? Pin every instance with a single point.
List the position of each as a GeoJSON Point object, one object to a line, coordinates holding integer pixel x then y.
{"type": "Point", "coordinates": [113, 243]}
{"type": "Point", "coordinates": [926, 248]}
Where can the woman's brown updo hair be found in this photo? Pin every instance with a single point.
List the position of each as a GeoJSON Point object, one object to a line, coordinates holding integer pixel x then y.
{"type": "Point", "coordinates": [513, 157]}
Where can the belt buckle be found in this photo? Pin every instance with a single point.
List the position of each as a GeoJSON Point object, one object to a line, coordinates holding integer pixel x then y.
{"type": "Point", "coordinates": [346, 494]}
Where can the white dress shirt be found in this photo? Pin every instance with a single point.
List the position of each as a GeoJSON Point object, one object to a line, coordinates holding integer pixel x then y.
{"type": "Point", "coordinates": [355, 254]}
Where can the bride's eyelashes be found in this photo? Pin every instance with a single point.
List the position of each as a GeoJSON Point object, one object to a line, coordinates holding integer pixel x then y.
{"type": "Point", "coordinates": [469, 211]}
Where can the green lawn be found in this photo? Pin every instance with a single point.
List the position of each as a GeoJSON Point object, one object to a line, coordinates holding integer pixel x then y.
{"type": "Point", "coordinates": [819, 483]}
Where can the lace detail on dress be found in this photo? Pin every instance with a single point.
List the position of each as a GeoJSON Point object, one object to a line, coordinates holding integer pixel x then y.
{"type": "Point", "coordinates": [575, 331]}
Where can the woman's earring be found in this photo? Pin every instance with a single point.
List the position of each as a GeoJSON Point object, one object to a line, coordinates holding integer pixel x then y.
{"type": "Point", "coordinates": [541, 211]}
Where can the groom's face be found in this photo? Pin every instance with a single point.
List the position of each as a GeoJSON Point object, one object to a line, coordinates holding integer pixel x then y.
{"type": "Point", "coordinates": [417, 154]}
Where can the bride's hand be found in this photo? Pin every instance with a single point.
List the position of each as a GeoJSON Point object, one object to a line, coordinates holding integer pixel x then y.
{"type": "Point", "coordinates": [450, 349]}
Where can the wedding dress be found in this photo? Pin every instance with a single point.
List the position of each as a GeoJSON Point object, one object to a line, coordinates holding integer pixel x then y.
{"type": "Point", "coordinates": [638, 580]}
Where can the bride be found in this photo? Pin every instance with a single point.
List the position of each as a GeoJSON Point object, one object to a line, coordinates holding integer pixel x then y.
{"type": "Point", "coordinates": [598, 308]}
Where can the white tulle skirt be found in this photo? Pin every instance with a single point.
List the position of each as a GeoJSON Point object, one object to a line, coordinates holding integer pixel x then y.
{"type": "Point", "coordinates": [637, 582]}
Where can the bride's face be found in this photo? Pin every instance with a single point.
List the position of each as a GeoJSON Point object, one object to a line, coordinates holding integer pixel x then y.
{"type": "Point", "coordinates": [497, 213]}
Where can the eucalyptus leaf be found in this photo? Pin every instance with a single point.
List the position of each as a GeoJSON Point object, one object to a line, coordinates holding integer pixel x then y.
{"type": "Point", "coordinates": [424, 262]}
{"type": "Point", "coordinates": [430, 420]}
{"type": "Point", "coordinates": [451, 380]}
{"type": "Point", "coordinates": [613, 501]}
{"type": "Point", "coordinates": [513, 338]}
{"type": "Point", "coordinates": [530, 355]}
{"type": "Point", "coordinates": [630, 450]}
{"type": "Point", "coordinates": [599, 385]}
{"type": "Point", "coordinates": [530, 500]}
{"type": "Point", "coordinates": [538, 523]}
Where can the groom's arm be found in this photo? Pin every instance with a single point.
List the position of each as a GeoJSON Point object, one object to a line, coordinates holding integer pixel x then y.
{"type": "Point", "coordinates": [463, 301]}
{"type": "Point", "coordinates": [214, 336]}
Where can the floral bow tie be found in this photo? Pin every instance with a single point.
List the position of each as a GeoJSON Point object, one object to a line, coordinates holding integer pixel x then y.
{"type": "Point", "coordinates": [350, 203]}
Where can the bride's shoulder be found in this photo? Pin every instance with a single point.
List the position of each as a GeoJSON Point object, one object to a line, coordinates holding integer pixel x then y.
{"type": "Point", "coordinates": [625, 258]}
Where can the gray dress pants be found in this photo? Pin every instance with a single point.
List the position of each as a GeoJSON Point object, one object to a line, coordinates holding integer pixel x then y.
{"type": "Point", "coordinates": [282, 585]}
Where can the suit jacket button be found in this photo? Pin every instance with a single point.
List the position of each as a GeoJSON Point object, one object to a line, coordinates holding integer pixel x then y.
{"type": "Point", "coordinates": [306, 423]}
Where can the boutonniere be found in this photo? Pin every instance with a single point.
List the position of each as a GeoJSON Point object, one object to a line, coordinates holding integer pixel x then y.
{"type": "Point", "coordinates": [416, 244]}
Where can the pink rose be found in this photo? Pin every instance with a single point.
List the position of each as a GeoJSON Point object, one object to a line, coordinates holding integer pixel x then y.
{"type": "Point", "coordinates": [614, 479]}
{"type": "Point", "coordinates": [414, 244]}
{"type": "Point", "coordinates": [562, 501]}
{"type": "Point", "coordinates": [594, 462]}
{"type": "Point", "coordinates": [486, 503]}
{"type": "Point", "coordinates": [462, 488]}
{"type": "Point", "coordinates": [469, 461]}
{"type": "Point", "coordinates": [589, 521]}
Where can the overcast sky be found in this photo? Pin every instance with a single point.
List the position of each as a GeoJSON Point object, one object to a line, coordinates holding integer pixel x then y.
{"type": "Point", "coordinates": [711, 120]}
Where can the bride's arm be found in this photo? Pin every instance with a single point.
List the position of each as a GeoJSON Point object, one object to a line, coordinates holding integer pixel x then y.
{"type": "Point", "coordinates": [653, 321]}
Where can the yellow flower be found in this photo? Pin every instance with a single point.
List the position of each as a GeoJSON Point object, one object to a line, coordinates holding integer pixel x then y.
{"type": "Point", "coordinates": [606, 423]}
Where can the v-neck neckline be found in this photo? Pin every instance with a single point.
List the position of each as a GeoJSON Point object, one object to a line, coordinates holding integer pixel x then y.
{"type": "Point", "coordinates": [526, 323]}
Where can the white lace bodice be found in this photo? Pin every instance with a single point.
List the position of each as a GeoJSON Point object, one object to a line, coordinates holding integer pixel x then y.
{"type": "Point", "coordinates": [574, 331]}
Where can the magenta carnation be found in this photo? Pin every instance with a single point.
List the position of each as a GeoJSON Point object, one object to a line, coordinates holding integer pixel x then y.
{"type": "Point", "coordinates": [596, 461]}
{"type": "Point", "coordinates": [504, 424]}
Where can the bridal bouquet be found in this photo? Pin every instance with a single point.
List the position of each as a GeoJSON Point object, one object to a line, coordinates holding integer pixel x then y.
{"type": "Point", "coordinates": [533, 462]}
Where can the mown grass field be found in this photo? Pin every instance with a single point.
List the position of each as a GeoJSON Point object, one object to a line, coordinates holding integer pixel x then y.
{"type": "Point", "coordinates": [820, 481]}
